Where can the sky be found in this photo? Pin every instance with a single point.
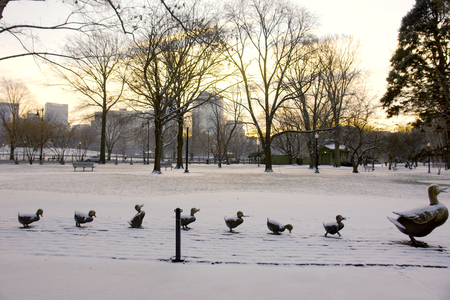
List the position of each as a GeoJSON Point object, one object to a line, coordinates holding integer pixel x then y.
{"type": "Point", "coordinates": [374, 23]}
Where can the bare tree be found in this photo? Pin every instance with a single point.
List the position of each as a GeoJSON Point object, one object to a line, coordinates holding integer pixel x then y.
{"type": "Point", "coordinates": [60, 139]}
{"type": "Point", "coordinates": [95, 74]}
{"type": "Point", "coordinates": [266, 38]}
{"type": "Point", "coordinates": [170, 66]}
{"type": "Point", "coordinates": [341, 73]}
{"type": "Point", "coordinates": [357, 134]}
{"type": "Point", "coordinates": [15, 102]}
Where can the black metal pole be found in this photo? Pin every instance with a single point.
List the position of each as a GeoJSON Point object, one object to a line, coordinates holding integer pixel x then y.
{"type": "Point", "coordinates": [317, 155]}
{"type": "Point", "coordinates": [186, 170]}
{"type": "Point", "coordinates": [177, 257]}
{"type": "Point", "coordinates": [148, 142]}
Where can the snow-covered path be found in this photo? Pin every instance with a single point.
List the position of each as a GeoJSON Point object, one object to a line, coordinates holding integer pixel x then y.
{"type": "Point", "coordinates": [370, 244]}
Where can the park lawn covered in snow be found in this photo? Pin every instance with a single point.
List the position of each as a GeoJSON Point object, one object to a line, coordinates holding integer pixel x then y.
{"type": "Point", "coordinates": [106, 259]}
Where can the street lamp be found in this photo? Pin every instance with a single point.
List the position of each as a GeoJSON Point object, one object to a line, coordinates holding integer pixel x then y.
{"type": "Point", "coordinates": [41, 162]}
{"type": "Point", "coordinates": [317, 153]}
{"type": "Point", "coordinates": [148, 142]}
{"type": "Point", "coordinates": [259, 158]}
{"type": "Point", "coordinates": [429, 157]}
{"type": "Point", "coordinates": [79, 149]}
{"type": "Point", "coordinates": [207, 160]}
{"type": "Point", "coordinates": [186, 170]}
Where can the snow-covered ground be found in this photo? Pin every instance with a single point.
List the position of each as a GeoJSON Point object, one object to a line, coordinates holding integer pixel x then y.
{"type": "Point", "coordinates": [106, 259]}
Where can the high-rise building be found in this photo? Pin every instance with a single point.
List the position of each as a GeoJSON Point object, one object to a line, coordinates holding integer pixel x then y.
{"type": "Point", "coordinates": [206, 116]}
{"type": "Point", "coordinates": [57, 112]}
{"type": "Point", "coordinates": [7, 110]}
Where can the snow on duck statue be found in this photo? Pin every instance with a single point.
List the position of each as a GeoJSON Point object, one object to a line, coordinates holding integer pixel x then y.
{"type": "Point", "coordinates": [136, 221]}
{"type": "Point", "coordinates": [81, 218]}
{"type": "Point", "coordinates": [334, 227]}
{"type": "Point", "coordinates": [234, 222]}
{"type": "Point", "coordinates": [26, 219]}
{"type": "Point", "coordinates": [422, 221]}
{"type": "Point", "coordinates": [276, 227]}
{"type": "Point", "coordinates": [188, 219]}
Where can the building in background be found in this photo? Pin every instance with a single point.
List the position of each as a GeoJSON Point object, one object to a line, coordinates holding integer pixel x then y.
{"type": "Point", "coordinates": [57, 112]}
{"type": "Point", "coordinates": [7, 110]}
{"type": "Point", "coordinates": [206, 116]}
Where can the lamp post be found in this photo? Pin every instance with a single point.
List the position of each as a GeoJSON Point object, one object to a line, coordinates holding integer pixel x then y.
{"type": "Point", "coordinates": [207, 159]}
{"type": "Point", "coordinates": [41, 162]}
{"type": "Point", "coordinates": [79, 150]}
{"type": "Point", "coordinates": [186, 170]}
{"type": "Point", "coordinates": [429, 157]}
{"type": "Point", "coordinates": [148, 142]}
{"type": "Point", "coordinates": [317, 153]}
{"type": "Point", "coordinates": [259, 157]}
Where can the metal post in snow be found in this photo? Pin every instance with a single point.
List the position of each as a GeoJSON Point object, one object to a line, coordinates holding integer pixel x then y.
{"type": "Point", "coordinates": [186, 170]}
{"type": "Point", "coordinates": [177, 257]}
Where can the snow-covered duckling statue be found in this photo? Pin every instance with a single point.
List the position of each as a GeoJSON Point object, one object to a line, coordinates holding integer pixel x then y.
{"type": "Point", "coordinates": [26, 219]}
{"type": "Point", "coordinates": [81, 218]}
{"type": "Point", "coordinates": [422, 221]}
{"type": "Point", "coordinates": [234, 222]}
{"type": "Point", "coordinates": [276, 227]}
{"type": "Point", "coordinates": [136, 221]}
{"type": "Point", "coordinates": [188, 219]}
{"type": "Point", "coordinates": [334, 227]}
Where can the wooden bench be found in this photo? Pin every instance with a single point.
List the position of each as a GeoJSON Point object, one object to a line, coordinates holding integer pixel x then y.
{"type": "Point", "coordinates": [166, 164]}
{"type": "Point", "coordinates": [83, 164]}
{"type": "Point", "coordinates": [368, 168]}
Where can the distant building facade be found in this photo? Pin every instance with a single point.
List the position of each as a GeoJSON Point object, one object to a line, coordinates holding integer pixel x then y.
{"type": "Point", "coordinates": [7, 110]}
{"type": "Point", "coordinates": [208, 114]}
{"type": "Point", "coordinates": [57, 112]}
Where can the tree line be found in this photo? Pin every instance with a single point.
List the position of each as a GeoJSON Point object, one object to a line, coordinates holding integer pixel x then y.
{"type": "Point", "coordinates": [263, 57]}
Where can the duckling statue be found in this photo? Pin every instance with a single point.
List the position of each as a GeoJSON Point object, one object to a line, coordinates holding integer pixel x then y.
{"type": "Point", "coordinates": [136, 221]}
{"type": "Point", "coordinates": [234, 222]}
{"type": "Point", "coordinates": [81, 218]}
{"type": "Point", "coordinates": [276, 227]}
{"type": "Point", "coordinates": [26, 219]}
{"type": "Point", "coordinates": [334, 227]}
{"type": "Point", "coordinates": [186, 220]}
{"type": "Point", "coordinates": [422, 221]}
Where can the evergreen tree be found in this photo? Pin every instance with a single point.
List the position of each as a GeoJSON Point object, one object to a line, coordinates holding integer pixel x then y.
{"type": "Point", "coordinates": [418, 82]}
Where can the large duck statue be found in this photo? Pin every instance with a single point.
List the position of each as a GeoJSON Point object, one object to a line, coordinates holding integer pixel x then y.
{"type": "Point", "coordinates": [81, 218]}
{"type": "Point", "coordinates": [136, 221]}
{"type": "Point", "coordinates": [422, 221]}
{"type": "Point", "coordinates": [26, 219]}
{"type": "Point", "coordinates": [234, 222]}
{"type": "Point", "coordinates": [188, 219]}
{"type": "Point", "coordinates": [276, 227]}
{"type": "Point", "coordinates": [334, 227]}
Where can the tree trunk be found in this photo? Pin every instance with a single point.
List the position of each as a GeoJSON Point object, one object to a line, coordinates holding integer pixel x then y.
{"type": "Point", "coordinates": [12, 147]}
{"type": "Point", "coordinates": [103, 138]}
{"type": "Point", "coordinates": [337, 154]}
{"type": "Point", "coordinates": [158, 146]}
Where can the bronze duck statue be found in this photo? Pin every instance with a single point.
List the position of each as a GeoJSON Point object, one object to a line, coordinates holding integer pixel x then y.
{"type": "Point", "coordinates": [334, 227]}
{"type": "Point", "coordinates": [422, 221]}
{"type": "Point", "coordinates": [234, 222]}
{"type": "Point", "coordinates": [276, 227]}
{"type": "Point", "coordinates": [81, 218]}
{"type": "Point", "coordinates": [136, 221]}
{"type": "Point", "coordinates": [26, 219]}
{"type": "Point", "coordinates": [188, 219]}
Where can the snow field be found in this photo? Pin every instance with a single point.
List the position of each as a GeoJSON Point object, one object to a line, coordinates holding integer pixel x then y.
{"type": "Point", "coordinates": [370, 245]}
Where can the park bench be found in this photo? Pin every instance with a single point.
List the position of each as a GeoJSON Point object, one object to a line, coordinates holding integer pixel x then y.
{"type": "Point", "coordinates": [166, 164]}
{"type": "Point", "coordinates": [368, 168]}
{"type": "Point", "coordinates": [394, 168]}
{"type": "Point", "coordinates": [83, 164]}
